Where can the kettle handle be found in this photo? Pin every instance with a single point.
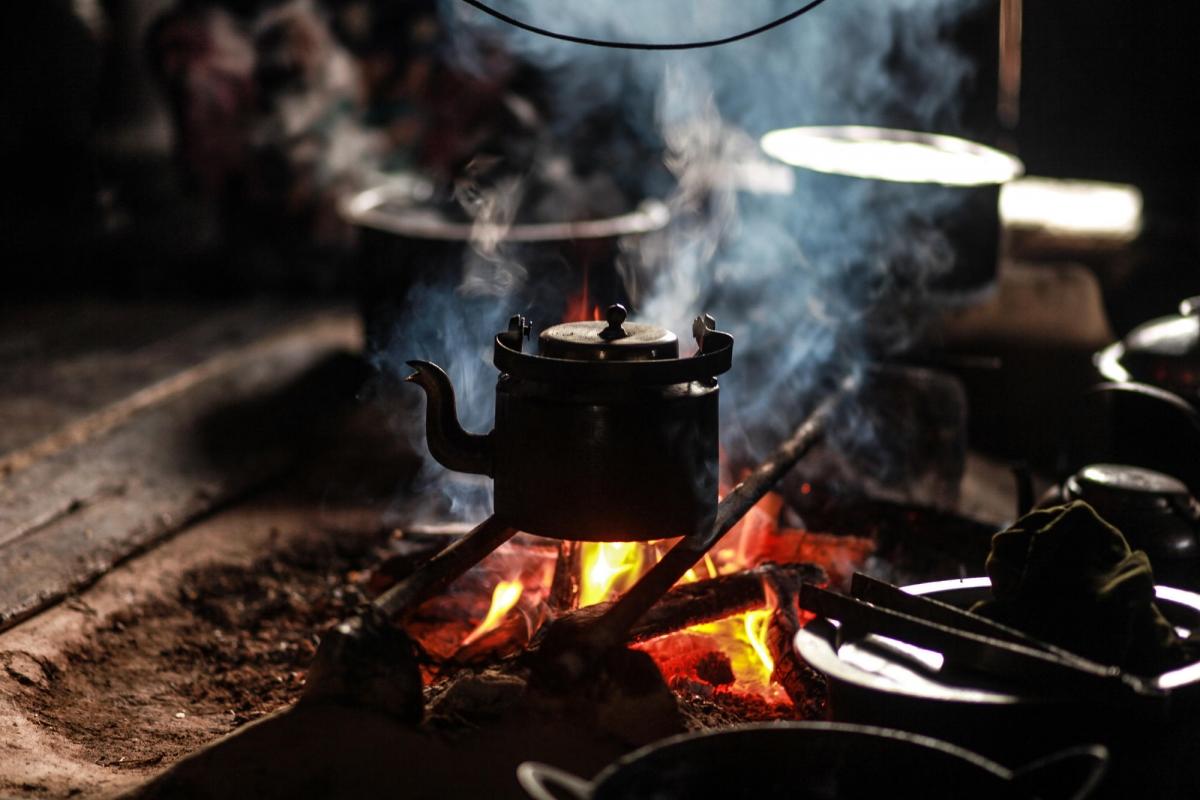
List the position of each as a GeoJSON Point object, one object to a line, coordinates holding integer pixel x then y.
{"type": "Point", "coordinates": [537, 778]}
{"type": "Point", "coordinates": [1071, 774]}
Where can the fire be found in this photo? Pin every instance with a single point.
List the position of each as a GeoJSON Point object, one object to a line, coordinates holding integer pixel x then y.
{"type": "Point", "coordinates": [756, 624]}
{"type": "Point", "coordinates": [609, 568]}
{"type": "Point", "coordinates": [743, 639]}
{"type": "Point", "coordinates": [504, 597]}
{"type": "Point", "coordinates": [577, 304]}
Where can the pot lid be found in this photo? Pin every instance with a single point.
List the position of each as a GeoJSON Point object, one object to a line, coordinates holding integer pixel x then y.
{"type": "Point", "coordinates": [1163, 352]}
{"type": "Point", "coordinates": [1172, 337]}
{"type": "Point", "coordinates": [1109, 486]}
{"type": "Point", "coordinates": [611, 340]}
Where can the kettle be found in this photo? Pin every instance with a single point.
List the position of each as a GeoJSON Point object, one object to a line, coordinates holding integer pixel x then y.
{"type": "Point", "coordinates": [605, 434]}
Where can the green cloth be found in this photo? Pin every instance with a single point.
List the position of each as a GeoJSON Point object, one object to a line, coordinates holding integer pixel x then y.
{"type": "Point", "coordinates": [1065, 576]}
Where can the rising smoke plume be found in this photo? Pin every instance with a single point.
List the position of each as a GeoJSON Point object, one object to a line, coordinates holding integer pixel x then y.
{"type": "Point", "coordinates": [814, 284]}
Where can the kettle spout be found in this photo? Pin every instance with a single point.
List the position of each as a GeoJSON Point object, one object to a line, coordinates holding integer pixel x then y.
{"type": "Point", "coordinates": [452, 446]}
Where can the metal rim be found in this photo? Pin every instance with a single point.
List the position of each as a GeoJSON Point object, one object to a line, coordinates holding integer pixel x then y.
{"type": "Point", "coordinates": [780, 144]}
{"type": "Point", "coordinates": [816, 728]}
{"type": "Point", "coordinates": [715, 359]}
{"type": "Point", "coordinates": [423, 223]}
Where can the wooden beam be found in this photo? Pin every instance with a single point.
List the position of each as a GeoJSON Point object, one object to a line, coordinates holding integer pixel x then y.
{"type": "Point", "coordinates": [118, 480]}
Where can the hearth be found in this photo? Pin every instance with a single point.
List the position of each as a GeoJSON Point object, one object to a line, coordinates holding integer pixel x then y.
{"type": "Point", "coordinates": [607, 442]}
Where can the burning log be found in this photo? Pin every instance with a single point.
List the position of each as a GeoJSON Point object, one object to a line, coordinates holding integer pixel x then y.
{"type": "Point", "coordinates": [687, 605]}
{"type": "Point", "coordinates": [720, 597]}
{"type": "Point", "coordinates": [805, 687]}
{"type": "Point", "coordinates": [564, 593]}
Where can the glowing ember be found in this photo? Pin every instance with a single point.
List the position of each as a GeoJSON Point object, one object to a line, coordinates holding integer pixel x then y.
{"type": "Point", "coordinates": [891, 155]}
{"type": "Point", "coordinates": [609, 568]}
{"type": "Point", "coordinates": [504, 597]}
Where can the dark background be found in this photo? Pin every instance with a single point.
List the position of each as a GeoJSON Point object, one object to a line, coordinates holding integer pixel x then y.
{"type": "Point", "coordinates": [96, 197]}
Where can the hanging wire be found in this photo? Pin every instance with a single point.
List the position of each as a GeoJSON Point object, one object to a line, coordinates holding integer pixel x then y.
{"type": "Point", "coordinates": [565, 37]}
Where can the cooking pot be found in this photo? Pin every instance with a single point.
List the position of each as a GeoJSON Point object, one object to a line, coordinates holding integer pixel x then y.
{"type": "Point", "coordinates": [1128, 422]}
{"type": "Point", "coordinates": [406, 238]}
{"type": "Point", "coordinates": [820, 760]}
{"type": "Point", "coordinates": [1164, 352]}
{"type": "Point", "coordinates": [1147, 410]}
{"type": "Point", "coordinates": [873, 681]}
{"type": "Point", "coordinates": [606, 434]}
{"type": "Point", "coordinates": [933, 200]}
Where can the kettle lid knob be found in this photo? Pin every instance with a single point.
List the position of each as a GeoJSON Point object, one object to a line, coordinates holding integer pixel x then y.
{"type": "Point", "coordinates": [616, 316]}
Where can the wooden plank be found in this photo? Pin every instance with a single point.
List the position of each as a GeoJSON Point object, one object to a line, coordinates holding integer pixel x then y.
{"type": "Point", "coordinates": [62, 363]}
{"type": "Point", "coordinates": [138, 473]}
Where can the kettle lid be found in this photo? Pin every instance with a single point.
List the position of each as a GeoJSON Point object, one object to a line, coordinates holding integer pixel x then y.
{"type": "Point", "coordinates": [613, 339]}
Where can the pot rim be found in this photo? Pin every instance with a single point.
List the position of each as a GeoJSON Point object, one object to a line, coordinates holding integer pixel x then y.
{"type": "Point", "coordinates": [838, 728]}
{"type": "Point", "coordinates": [781, 144]}
{"type": "Point", "coordinates": [364, 209]}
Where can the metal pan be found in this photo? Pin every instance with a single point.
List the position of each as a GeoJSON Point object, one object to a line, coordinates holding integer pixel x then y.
{"type": "Point", "coordinates": [819, 760]}
{"type": "Point", "coordinates": [877, 681]}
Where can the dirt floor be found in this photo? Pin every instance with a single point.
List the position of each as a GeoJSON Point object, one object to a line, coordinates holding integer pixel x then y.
{"type": "Point", "coordinates": [166, 676]}
{"type": "Point", "coordinates": [214, 630]}
{"type": "Point", "coordinates": [175, 648]}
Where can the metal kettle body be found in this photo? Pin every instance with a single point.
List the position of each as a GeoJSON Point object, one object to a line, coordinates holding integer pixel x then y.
{"type": "Point", "coordinates": [592, 446]}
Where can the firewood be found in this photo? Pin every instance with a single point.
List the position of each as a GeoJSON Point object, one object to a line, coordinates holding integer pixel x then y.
{"type": "Point", "coordinates": [564, 592]}
{"type": "Point", "coordinates": [720, 597]}
{"type": "Point", "coordinates": [696, 603]}
{"type": "Point", "coordinates": [805, 687]}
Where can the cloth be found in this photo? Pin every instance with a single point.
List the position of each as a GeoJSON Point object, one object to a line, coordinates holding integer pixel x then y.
{"type": "Point", "coordinates": [1066, 576]}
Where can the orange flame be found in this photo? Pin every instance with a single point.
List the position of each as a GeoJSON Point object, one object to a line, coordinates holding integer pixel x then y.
{"type": "Point", "coordinates": [504, 597]}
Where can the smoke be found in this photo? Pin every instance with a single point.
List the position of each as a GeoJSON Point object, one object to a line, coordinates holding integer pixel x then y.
{"type": "Point", "coordinates": [816, 283]}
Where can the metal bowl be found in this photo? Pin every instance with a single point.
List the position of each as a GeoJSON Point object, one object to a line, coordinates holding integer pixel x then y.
{"type": "Point", "coordinates": [878, 681]}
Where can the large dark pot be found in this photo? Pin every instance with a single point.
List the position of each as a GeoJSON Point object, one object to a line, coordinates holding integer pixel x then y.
{"type": "Point", "coordinates": [818, 760]}
{"type": "Point", "coordinates": [404, 240]}
{"type": "Point", "coordinates": [605, 435]}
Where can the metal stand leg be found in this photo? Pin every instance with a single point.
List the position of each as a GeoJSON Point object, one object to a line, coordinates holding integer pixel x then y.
{"type": "Point", "coordinates": [442, 570]}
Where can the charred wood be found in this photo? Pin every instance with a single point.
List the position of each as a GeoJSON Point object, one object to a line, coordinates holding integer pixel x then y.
{"type": "Point", "coordinates": [691, 604]}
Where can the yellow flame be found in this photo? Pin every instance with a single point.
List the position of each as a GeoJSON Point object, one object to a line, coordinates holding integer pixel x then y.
{"type": "Point", "coordinates": [743, 638]}
{"type": "Point", "coordinates": [504, 597]}
{"type": "Point", "coordinates": [757, 624]}
{"type": "Point", "coordinates": [608, 568]}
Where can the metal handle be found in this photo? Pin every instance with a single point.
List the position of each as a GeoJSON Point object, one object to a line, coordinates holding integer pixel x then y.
{"type": "Point", "coordinates": [1071, 774]}
{"type": "Point", "coordinates": [536, 779]}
